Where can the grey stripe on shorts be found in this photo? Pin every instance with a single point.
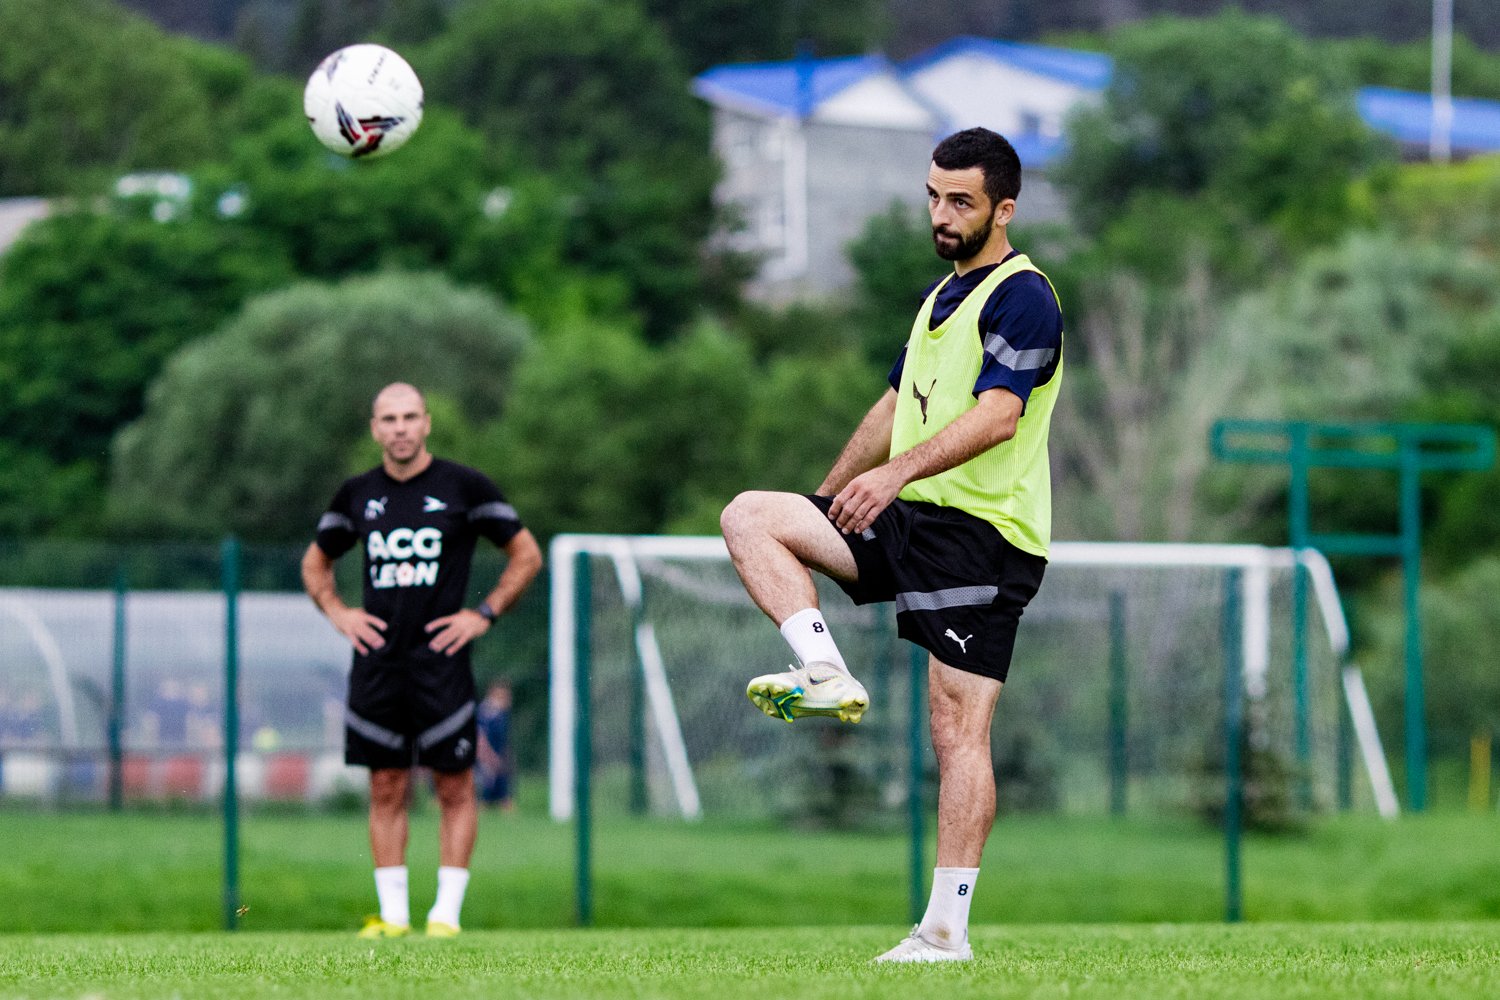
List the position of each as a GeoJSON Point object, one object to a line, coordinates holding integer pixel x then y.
{"type": "Point", "coordinates": [375, 734]}
{"type": "Point", "coordinates": [452, 724]}
{"type": "Point", "coordinates": [953, 597]}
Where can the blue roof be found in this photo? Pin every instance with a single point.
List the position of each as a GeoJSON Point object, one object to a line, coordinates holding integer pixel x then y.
{"type": "Point", "coordinates": [1083, 69]}
{"type": "Point", "coordinates": [778, 87]}
{"type": "Point", "coordinates": [1037, 151]}
{"type": "Point", "coordinates": [783, 88]}
{"type": "Point", "coordinates": [1406, 116]}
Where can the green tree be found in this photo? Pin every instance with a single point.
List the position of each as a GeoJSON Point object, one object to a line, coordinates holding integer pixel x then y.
{"type": "Point", "coordinates": [1408, 66]}
{"type": "Point", "coordinates": [894, 261]}
{"type": "Point", "coordinates": [91, 306]}
{"type": "Point", "coordinates": [804, 409]}
{"type": "Point", "coordinates": [1461, 521]}
{"type": "Point", "coordinates": [251, 429]}
{"type": "Point", "coordinates": [319, 27]}
{"type": "Point", "coordinates": [1461, 633]}
{"type": "Point", "coordinates": [1235, 111]}
{"type": "Point", "coordinates": [719, 31]}
{"type": "Point", "coordinates": [90, 90]}
{"type": "Point", "coordinates": [1362, 330]}
{"type": "Point", "coordinates": [593, 94]}
{"type": "Point", "coordinates": [1456, 204]}
{"type": "Point", "coordinates": [335, 216]}
{"type": "Point", "coordinates": [606, 433]}
{"type": "Point", "coordinates": [1377, 328]}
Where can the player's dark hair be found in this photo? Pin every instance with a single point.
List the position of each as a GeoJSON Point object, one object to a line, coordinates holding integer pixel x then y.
{"type": "Point", "coordinates": [991, 152]}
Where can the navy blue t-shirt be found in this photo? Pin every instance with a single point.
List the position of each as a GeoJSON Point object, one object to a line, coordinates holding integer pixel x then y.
{"type": "Point", "coordinates": [1020, 324]}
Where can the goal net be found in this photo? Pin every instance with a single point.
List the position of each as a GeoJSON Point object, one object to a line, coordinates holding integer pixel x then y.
{"type": "Point", "coordinates": [1116, 700]}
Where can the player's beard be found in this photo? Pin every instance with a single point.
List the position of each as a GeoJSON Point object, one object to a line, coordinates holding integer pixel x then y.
{"type": "Point", "coordinates": [402, 452]}
{"type": "Point", "coordinates": [953, 246]}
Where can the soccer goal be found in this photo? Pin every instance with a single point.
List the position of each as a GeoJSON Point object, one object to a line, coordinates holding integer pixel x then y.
{"type": "Point", "coordinates": [1147, 679]}
{"type": "Point", "coordinates": [1116, 693]}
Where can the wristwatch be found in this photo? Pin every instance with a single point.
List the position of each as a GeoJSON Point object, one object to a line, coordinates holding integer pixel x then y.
{"type": "Point", "coordinates": [485, 611]}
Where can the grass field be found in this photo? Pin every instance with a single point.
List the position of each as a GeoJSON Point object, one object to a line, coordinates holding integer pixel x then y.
{"type": "Point", "coordinates": [1066, 907]}
{"type": "Point", "coordinates": [1120, 962]}
{"type": "Point", "coordinates": [142, 871]}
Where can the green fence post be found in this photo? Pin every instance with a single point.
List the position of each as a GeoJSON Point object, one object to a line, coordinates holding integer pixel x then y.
{"type": "Point", "coordinates": [1411, 575]}
{"type": "Point", "coordinates": [230, 570]}
{"type": "Point", "coordinates": [886, 727]}
{"type": "Point", "coordinates": [1407, 448]}
{"type": "Point", "coordinates": [1118, 706]}
{"type": "Point", "coordinates": [117, 700]}
{"type": "Point", "coordinates": [1234, 731]}
{"type": "Point", "coordinates": [916, 814]}
{"type": "Point", "coordinates": [582, 739]}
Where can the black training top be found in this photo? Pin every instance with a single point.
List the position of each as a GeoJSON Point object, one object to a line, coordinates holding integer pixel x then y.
{"type": "Point", "coordinates": [419, 538]}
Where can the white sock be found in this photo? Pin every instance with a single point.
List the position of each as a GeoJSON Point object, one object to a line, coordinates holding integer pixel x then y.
{"type": "Point", "coordinates": [946, 921]}
{"type": "Point", "coordinates": [807, 633]}
{"type": "Point", "coordinates": [452, 882]}
{"type": "Point", "coordinates": [390, 887]}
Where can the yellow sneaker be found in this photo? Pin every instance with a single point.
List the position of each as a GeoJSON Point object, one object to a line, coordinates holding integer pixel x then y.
{"type": "Point", "coordinates": [438, 929]}
{"type": "Point", "coordinates": [816, 689]}
{"type": "Point", "coordinates": [376, 928]}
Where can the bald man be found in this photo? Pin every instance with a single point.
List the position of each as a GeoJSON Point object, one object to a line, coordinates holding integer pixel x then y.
{"type": "Point", "coordinates": [411, 689]}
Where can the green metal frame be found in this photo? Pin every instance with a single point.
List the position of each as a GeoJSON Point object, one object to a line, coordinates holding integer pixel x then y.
{"type": "Point", "coordinates": [117, 698]}
{"type": "Point", "coordinates": [1119, 707]}
{"type": "Point", "coordinates": [230, 568]}
{"type": "Point", "coordinates": [1407, 449]}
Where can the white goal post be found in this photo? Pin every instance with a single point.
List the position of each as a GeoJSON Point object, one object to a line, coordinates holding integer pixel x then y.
{"type": "Point", "coordinates": [1255, 565]}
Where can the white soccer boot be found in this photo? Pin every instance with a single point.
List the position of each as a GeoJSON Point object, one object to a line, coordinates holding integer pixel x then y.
{"type": "Point", "coordinates": [816, 689]}
{"type": "Point", "coordinates": [915, 948]}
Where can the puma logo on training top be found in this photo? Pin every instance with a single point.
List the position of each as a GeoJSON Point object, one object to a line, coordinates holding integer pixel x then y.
{"type": "Point", "coordinates": [923, 399]}
{"type": "Point", "coordinates": [962, 643]}
{"type": "Point", "coordinates": [430, 504]}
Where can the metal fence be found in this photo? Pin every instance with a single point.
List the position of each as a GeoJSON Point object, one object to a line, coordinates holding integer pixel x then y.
{"type": "Point", "coordinates": [125, 670]}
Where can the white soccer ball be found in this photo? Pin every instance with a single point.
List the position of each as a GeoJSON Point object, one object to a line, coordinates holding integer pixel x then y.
{"type": "Point", "coordinates": [363, 101]}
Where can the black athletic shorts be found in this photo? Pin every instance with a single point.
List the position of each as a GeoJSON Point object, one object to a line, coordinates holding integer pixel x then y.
{"type": "Point", "coordinates": [414, 708]}
{"type": "Point", "coordinates": [959, 586]}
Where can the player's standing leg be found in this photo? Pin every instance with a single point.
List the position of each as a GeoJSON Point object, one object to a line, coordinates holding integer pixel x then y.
{"type": "Point", "coordinates": [962, 707]}
{"type": "Point", "coordinates": [457, 831]}
{"type": "Point", "coordinates": [388, 833]}
{"type": "Point", "coordinates": [773, 539]}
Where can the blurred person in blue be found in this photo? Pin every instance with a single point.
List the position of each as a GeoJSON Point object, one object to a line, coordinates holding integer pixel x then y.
{"type": "Point", "coordinates": [166, 718]}
{"type": "Point", "coordinates": [494, 768]}
{"type": "Point", "coordinates": [411, 704]}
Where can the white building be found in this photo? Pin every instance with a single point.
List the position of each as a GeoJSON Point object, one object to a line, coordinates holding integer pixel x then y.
{"type": "Point", "coordinates": [1024, 92]}
{"type": "Point", "coordinates": [812, 148]}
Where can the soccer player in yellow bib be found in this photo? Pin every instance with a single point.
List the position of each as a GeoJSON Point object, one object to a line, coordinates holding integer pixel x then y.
{"type": "Point", "coordinates": [941, 503]}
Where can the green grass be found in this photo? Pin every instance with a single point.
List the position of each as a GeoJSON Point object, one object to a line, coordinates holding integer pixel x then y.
{"type": "Point", "coordinates": [1119, 962]}
{"type": "Point", "coordinates": [142, 871]}
{"type": "Point", "coordinates": [1066, 907]}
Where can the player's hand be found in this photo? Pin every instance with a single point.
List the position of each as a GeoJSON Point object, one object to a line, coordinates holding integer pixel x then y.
{"type": "Point", "coordinates": [858, 505]}
{"type": "Point", "coordinates": [363, 630]}
{"type": "Point", "coordinates": [456, 631]}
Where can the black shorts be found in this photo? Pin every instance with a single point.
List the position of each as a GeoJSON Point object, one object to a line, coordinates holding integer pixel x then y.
{"type": "Point", "coordinates": [959, 586]}
{"type": "Point", "coordinates": [411, 709]}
